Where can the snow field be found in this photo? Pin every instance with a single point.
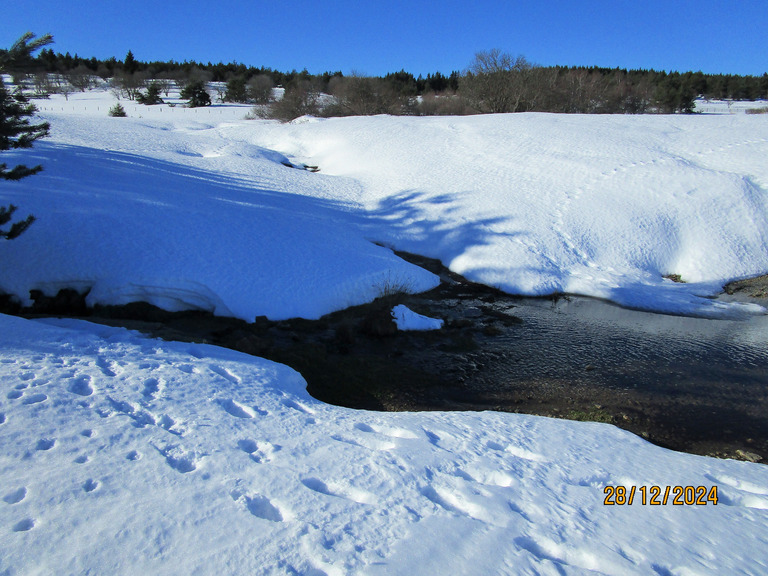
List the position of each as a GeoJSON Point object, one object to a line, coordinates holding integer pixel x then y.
{"type": "Point", "coordinates": [125, 454]}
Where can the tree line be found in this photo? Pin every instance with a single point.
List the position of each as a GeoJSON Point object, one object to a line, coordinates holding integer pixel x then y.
{"type": "Point", "coordinates": [494, 82]}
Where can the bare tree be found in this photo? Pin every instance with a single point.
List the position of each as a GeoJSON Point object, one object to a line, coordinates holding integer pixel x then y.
{"type": "Point", "coordinates": [259, 88]}
{"type": "Point", "coordinates": [301, 98]}
{"type": "Point", "coordinates": [496, 82]}
{"type": "Point", "coordinates": [80, 78]}
{"type": "Point", "coordinates": [358, 95]}
{"type": "Point", "coordinates": [128, 85]}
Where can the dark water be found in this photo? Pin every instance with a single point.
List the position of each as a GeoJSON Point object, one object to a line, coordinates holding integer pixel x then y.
{"type": "Point", "coordinates": [637, 350]}
{"type": "Point", "coordinates": [692, 384]}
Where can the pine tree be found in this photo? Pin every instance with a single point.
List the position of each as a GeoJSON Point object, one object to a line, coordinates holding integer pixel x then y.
{"type": "Point", "coordinates": [152, 96]}
{"type": "Point", "coordinates": [130, 65]}
{"type": "Point", "coordinates": [196, 94]}
{"type": "Point", "coordinates": [15, 129]}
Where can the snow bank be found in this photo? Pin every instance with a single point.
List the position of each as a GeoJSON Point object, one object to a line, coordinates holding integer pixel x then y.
{"type": "Point", "coordinates": [537, 203]}
{"type": "Point", "coordinates": [176, 215]}
{"type": "Point", "coordinates": [126, 455]}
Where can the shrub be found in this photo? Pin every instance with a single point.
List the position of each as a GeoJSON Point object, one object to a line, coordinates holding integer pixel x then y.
{"type": "Point", "coordinates": [117, 111]}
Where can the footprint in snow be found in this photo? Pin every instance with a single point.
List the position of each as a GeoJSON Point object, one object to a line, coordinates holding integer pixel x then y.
{"type": "Point", "coordinates": [24, 525]}
{"type": "Point", "coordinates": [90, 485]}
{"type": "Point", "coordinates": [15, 496]}
{"type": "Point", "coordinates": [236, 409]}
{"type": "Point", "coordinates": [151, 388]}
{"type": "Point", "coordinates": [35, 399]}
{"type": "Point", "coordinates": [178, 459]}
{"type": "Point", "coordinates": [259, 506]}
{"type": "Point", "coordinates": [45, 444]}
{"type": "Point", "coordinates": [260, 452]}
{"type": "Point", "coordinates": [2, 418]}
{"type": "Point", "coordinates": [14, 394]}
{"type": "Point", "coordinates": [81, 386]}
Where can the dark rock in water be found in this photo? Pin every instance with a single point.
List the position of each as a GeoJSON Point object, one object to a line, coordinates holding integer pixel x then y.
{"type": "Point", "coordinates": [472, 312]}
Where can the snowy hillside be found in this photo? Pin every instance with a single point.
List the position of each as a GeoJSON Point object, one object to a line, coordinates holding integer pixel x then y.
{"type": "Point", "coordinates": [532, 203]}
{"type": "Point", "coordinates": [126, 455]}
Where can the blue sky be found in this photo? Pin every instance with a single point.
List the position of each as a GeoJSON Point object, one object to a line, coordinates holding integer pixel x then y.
{"type": "Point", "coordinates": [376, 37]}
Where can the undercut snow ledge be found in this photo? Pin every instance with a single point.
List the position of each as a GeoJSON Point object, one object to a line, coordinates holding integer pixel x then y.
{"type": "Point", "coordinates": [407, 319]}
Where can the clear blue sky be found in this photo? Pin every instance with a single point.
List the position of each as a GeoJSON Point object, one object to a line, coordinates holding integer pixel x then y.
{"type": "Point", "coordinates": [376, 37]}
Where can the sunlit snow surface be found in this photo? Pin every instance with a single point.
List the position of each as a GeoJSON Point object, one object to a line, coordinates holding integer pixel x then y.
{"type": "Point", "coordinates": [125, 455]}
{"type": "Point", "coordinates": [195, 209]}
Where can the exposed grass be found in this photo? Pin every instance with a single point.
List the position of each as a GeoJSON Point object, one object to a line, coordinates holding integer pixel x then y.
{"type": "Point", "coordinates": [675, 278]}
{"type": "Point", "coordinates": [757, 110]}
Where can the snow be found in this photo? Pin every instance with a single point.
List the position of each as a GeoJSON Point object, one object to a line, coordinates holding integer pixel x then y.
{"type": "Point", "coordinates": [603, 206]}
{"type": "Point", "coordinates": [125, 455]}
{"type": "Point", "coordinates": [407, 319]}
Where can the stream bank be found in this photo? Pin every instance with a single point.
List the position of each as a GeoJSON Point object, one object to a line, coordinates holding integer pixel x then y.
{"type": "Point", "coordinates": [687, 384]}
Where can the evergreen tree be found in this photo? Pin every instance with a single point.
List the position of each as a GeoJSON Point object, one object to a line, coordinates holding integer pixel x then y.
{"type": "Point", "coordinates": [130, 65]}
{"type": "Point", "coordinates": [236, 90]}
{"type": "Point", "coordinates": [117, 111]}
{"type": "Point", "coordinates": [152, 96]}
{"type": "Point", "coordinates": [15, 129]}
{"type": "Point", "coordinates": [196, 94]}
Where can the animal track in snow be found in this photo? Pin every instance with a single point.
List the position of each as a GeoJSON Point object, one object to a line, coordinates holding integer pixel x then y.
{"type": "Point", "coordinates": [371, 443]}
{"type": "Point", "coordinates": [81, 386]}
{"type": "Point", "coordinates": [82, 459]}
{"type": "Point", "coordinates": [90, 485]}
{"type": "Point", "coordinates": [15, 496]}
{"type": "Point", "coordinates": [386, 431]}
{"type": "Point", "coordinates": [744, 493]}
{"type": "Point", "coordinates": [186, 368]}
{"type": "Point", "coordinates": [133, 456]}
{"type": "Point", "coordinates": [297, 406]}
{"type": "Point", "coordinates": [105, 367]}
{"type": "Point", "coordinates": [2, 418]}
{"type": "Point", "coordinates": [14, 394]}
